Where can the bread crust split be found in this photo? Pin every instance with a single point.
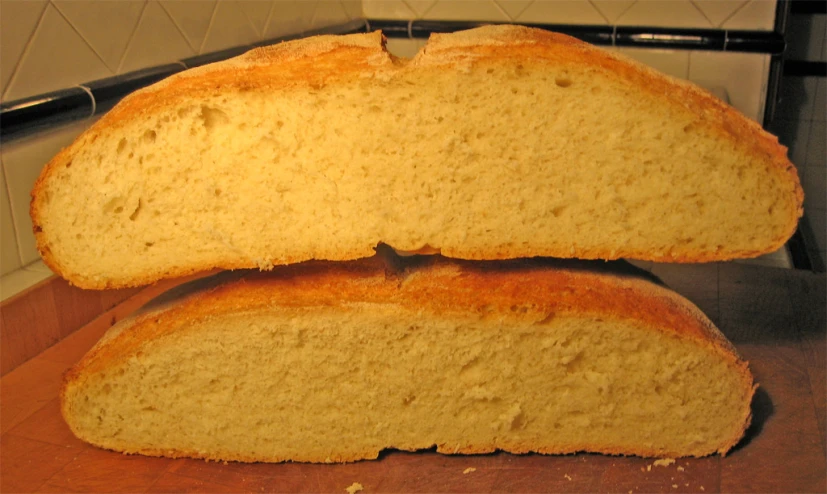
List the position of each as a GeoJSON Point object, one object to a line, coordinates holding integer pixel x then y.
{"type": "Point", "coordinates": [494, 143]}
{"type": "Point", "coordinates": [521, 356]}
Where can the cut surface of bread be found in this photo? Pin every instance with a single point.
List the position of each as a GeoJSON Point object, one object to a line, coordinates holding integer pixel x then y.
{"type": "Point", "coordinates": [334, 362]}
{"type": "Point", "coordinates": [494, 143]}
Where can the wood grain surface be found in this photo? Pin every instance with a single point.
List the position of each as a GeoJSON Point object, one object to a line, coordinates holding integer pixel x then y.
{"type": "Point", "coordinates": [775, 317]}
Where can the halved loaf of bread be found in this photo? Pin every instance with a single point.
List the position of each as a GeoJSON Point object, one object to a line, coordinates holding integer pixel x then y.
{"type": "Point", "coordinates": [334, 362]}
{"type": "Point", "coordinates": [494, 143]}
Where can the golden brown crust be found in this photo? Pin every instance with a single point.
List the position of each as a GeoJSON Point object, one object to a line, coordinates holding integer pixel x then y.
{"type": "Point", "coordinates": [316, 62]}
{"type": "Point", "coordinates": [517, 290]}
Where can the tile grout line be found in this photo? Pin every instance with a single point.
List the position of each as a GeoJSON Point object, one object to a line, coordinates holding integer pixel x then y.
{"type": "Point", "coordinates": [14, 219]}
{"type": "Point", "coordinates": [209, 26]}
{"type": "Point", "coordinates": [600, 12]}
{"type": "Point", "coordinates": [132, 36]}
{"type": "Point", "coordinates": [250, 21]}
{"type": "Point", "coordinates": [267, 21]}
{"type": "Point", "coordinates": [735, 12]}
{"type": "Point", "coordinates": [88, 44]}
{"type": "Point", "coordinates": [500, 9]}
{"type": "Point", "coordinates": [703, 14]}
{"type": "Point", "coordinates": [26, 48]}
{"type": "Point", "coordinates": [180, 31]}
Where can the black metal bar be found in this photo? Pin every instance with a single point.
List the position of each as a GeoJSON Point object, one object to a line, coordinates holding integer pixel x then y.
{"type": "Point", "coordinates": [29, 115]}
{"type": "Point", "coordinates": [805, 68]}
{"type": "Point", "coordinates": [808, 7]}
{"type": "Point", "coordinates": [631, 36]}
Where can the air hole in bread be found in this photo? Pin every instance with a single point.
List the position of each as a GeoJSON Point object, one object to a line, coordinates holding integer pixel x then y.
{"type": "Point", "coordinates": [69, 163]}
{"type": "Point", "coordinates": [121, 145]}
{"type": "Point", "coordinates": [149, 136]}
{"type": "Point", "coordinates": [134, 214]}
{"type": "Point", "coordinates": [562, 81]}
{"type": "Point", "coordinates": [212, 117]}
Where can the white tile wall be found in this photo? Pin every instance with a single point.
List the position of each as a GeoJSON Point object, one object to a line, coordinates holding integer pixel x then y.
{"type": "Point", "coordinates": [230, 27]}
{"type": "Point", "coordinates": [406, 48]}
{"type": "Point", "coordinates": [460, 10]}
{"type": "Point", "coordinates": [563, 12]}
{"type": "Point", "coordinates": [51, 44]}
{"type": "Point", "coordinates": [9, 260]}
{"type": "Point", "coordinates": [92, 20]}
{"type": "Point", "coordinates": [743, 75]}
{"type": "Point", "coordinates": [192, 19]}
{"type": "Point", "coordinates": [55, 57]}
{"type": "Point", "coordinates": [155, 41]}
{"type": "Point", "coordinates": [672, 62]}
{"type": "Point", "coordinates": [754, 15]}
{"type": "Point", "coordinates": [18, 21]}
{"type": "Point", "coordinates": [734, 14]}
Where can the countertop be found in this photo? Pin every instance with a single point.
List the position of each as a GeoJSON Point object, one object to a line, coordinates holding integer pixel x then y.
{"type": "Point", "coordinates": [775, 318]}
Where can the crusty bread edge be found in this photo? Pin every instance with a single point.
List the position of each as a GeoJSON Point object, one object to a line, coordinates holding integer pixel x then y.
{"type": "Point", "coordinates": [492, 42]}
{"type": "Point", "coordinates": [374, 276]}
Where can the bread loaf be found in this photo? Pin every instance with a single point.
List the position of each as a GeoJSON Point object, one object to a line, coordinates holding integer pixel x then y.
{"type": "Point", "coordinates": [334, 362]}
{"type": "Point", "coordinates": [494, 143]}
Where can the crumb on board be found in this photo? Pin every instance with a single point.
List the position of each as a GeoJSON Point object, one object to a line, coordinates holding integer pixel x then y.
{"type": "Point", "coordinates": [674, 486]}
{"type": "Point", "coordinates": [681, 469]}
{"type": "Point", "coordinates": [648, 468]}
{"type": "Point", "coordinates": [469, 470]}
{"type": "Point", "coordinates": [566, 476]}
{"type": "Point", "coordinates": [702, 488]}
{"type": "Point", "coordinates": [354, 488]}
{"type": "Point", "coordinates": [664, 462]}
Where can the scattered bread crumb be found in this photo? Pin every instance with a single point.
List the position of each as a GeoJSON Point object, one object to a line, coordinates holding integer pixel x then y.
{"type": "Point", "coordinates": [665, 462]}
{"type": "Point", "coordinates": [354, 488]}
{"type": "Point", "coordinates": [648, 468]}
{"type": "Point", "coordinates": [469, 470]}
{"type": "Point", "coordinates": [680, 469]}
{"type": "Point", "coordinates": [642, 469]}
{"type": "Point", "coordinates": [702, 488]}
{"type": "Point", "coordinates": [674, 486]}
{"type": "Point", "coordinates": [567, 477]}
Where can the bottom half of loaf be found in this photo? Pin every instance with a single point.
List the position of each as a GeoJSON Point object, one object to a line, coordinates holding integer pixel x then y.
{"type": "Point", "coordinates": [332, 385]}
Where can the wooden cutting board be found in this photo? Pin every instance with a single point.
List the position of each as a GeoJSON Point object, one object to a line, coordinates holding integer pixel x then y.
{"type": "Point", "coordinates": [775, 317]}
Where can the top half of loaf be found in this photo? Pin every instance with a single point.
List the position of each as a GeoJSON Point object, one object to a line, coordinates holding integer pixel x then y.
{"type": "Point", "coordinates": [497, 142]}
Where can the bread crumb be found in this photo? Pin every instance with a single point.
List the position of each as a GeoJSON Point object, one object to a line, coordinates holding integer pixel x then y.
{"type": "Point", "coordinates": [642, 469]}
{"type": "Point", "coordinates": [354, 488]}
{"type": "Point", "coordinates": [680, 469]}
{"type": "Point", "coordinates": [702, 488]}
{"type": "Point", "coordinates": [469, 470]}
{"type": "Point", "coordinates": [674, 486]}
{"type": "Point", "coordinates": [567, 477]}
{"type": "Point", "coordinates": [665, 462]}
{"type": "Point", "coordinates": [648, 468]}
